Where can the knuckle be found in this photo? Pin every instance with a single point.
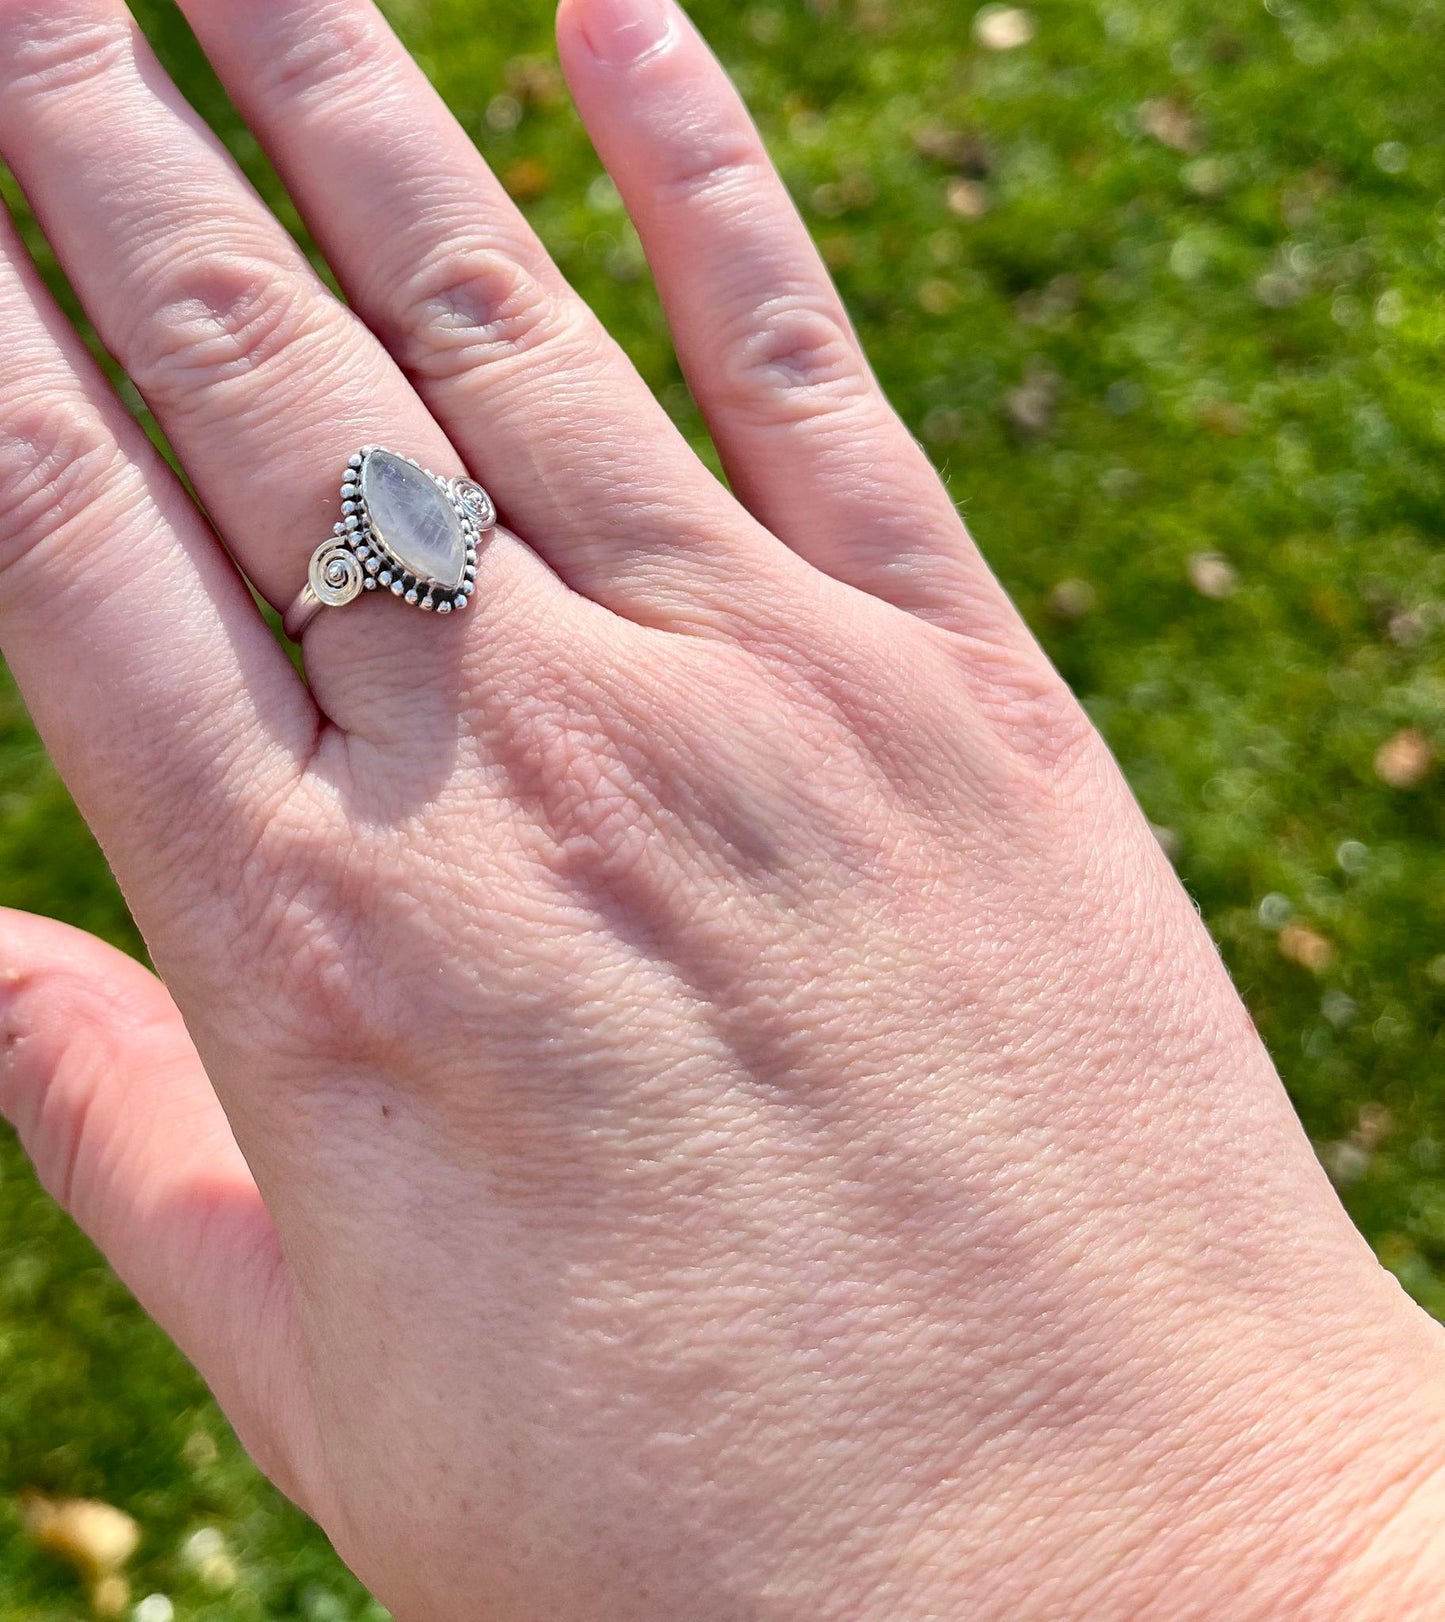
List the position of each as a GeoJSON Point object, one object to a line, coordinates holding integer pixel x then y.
{"type": "Point", "coordinates": [476, 307]}
{"type": "Point", "coordinates": [714, 172]}
{"type": "Point", "coordinates": [595, 810]}
{"type": "Point", "coordinates": [793, 361]}
{"type": "Point", "coordinates": [212, 319]}
{"type": "Point", "coordinates": [318, 51]}
{"type": "Point", "coordinates": [49, 48]}
{"type": "Point", "coordinates": [1030, 706]}
{"type": "Point", "coordinates": [601, 817]}
{"type": "Point", "coordinates": [58, 463]}
{"type": "Point", "coordinates": [304, 902]}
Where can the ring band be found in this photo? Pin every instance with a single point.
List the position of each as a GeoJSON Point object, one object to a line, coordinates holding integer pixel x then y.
{"type": "Point", "coordinates": [404, 530]}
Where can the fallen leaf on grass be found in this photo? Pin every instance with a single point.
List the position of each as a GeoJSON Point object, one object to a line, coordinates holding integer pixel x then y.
{"type": "Point", "coordinates": [1170, 124]}
{"type": "Point", "coordinates": [1212, 575]}
{"type": "Point", "coordinates": [96, 1539]}
{"type": "Point", "coordinates": [1003, 28]}
{"type": "Point", "coordinates": [1031, 405]}
{"type": "Point", "coordinates": [1404, 760]}
{"type": "Point", "coordinates": [1307, 947]}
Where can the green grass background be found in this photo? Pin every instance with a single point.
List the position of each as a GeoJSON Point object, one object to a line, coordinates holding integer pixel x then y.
{"type": "Point", "coordinates": [1201, 313]}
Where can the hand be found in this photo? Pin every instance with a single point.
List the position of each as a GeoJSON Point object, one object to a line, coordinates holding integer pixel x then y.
{"type": "Point", "coordinates": [699, 1095]}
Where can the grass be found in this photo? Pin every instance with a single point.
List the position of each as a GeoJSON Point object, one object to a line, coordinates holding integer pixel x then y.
{"type": "Point", "coordinates": [1163, 291]}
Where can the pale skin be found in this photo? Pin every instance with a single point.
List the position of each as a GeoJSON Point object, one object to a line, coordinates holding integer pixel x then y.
{"type": "Point", "coordinates": [688, 1090]}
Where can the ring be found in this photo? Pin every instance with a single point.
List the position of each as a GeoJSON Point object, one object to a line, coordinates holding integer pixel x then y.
{"type": "Point", "coordinates": [404, 530]}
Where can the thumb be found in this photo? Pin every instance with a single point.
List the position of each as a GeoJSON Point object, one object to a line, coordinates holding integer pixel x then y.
{"type": "Point", "coordinates": [104, 1087]}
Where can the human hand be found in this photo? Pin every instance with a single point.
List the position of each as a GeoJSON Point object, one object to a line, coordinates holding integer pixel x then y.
{"type": "Point", "coordinates": [736, 1116]}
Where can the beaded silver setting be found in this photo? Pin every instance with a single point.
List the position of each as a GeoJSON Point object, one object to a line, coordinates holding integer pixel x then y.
{"type": "Point", "coordinates": [404, 530]}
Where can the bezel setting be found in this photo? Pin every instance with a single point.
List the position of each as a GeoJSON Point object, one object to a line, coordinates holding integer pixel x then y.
{"type": "Point", "coordinates": [357, 558]}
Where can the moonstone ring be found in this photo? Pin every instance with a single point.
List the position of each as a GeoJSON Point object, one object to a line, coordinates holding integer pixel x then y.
{"type": "Point", "coordinates": [402, 530]}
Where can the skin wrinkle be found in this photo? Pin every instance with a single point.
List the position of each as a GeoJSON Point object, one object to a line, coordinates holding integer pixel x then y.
{"type": "Point", "coordinates": [56, 46]}
{"type": "Point", "coordinates": [443, 209]}
{"type": "Point", "coordinates": [58, 465]}
{"type": "Point", "coordinates": [650, 729]}
{"type": "Point", "coordinates": [338, 45]}
{"type": "Point", "coordinates": [489, 296]}
{"type": "Point", "coordinates": [728, 166]}
{"type": "Point", "coordinates": [214, 320]}
{"type": "Point", "coordinates": [795, 358]}
{"type": "Point", "coordinates": [472, 308]}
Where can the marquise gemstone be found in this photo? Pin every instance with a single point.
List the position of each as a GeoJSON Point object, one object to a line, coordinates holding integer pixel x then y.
{"type": "Point", "coordinates": [414, 519]}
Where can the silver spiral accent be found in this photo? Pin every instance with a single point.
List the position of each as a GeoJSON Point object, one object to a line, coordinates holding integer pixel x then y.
{"type": "Point", "coordinates": [474, 502]}
{"type": "Point", "coordinates": [335, 575]}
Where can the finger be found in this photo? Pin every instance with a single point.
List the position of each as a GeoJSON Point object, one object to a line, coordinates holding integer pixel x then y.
{"type": "Point", "coordinates": [163, 698]}
{"type": "Point", "coordinates": [263, 381]}
{"type": "Point", "coordinates": [809, 442]}
{"type": "Point", "coordinates": [100, 1080]}
{"type": "Point", "coordinates": [439, 262]}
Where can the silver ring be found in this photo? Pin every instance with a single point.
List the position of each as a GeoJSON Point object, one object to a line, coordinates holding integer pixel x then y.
{"type": "Point", "coordinates": [404, 530]}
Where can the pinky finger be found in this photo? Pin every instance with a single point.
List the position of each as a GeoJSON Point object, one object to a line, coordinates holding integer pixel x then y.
{"type": "Point", "coordinates": [808, 440]}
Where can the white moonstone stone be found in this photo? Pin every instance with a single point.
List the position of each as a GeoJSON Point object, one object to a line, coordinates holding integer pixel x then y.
{"type": "Point", "coordinates": [415, 519]}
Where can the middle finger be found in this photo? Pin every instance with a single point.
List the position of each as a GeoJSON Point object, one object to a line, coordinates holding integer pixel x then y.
{"type": "Point", "coordinates": [441, 263]}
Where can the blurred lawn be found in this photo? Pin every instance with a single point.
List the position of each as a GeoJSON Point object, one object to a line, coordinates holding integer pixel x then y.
{"type": "Point", "coordinates": [1162, 289]}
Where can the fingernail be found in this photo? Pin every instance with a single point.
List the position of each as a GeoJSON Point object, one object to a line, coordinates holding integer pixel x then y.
{"type": "Point", "coordinates": [621, 32]}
